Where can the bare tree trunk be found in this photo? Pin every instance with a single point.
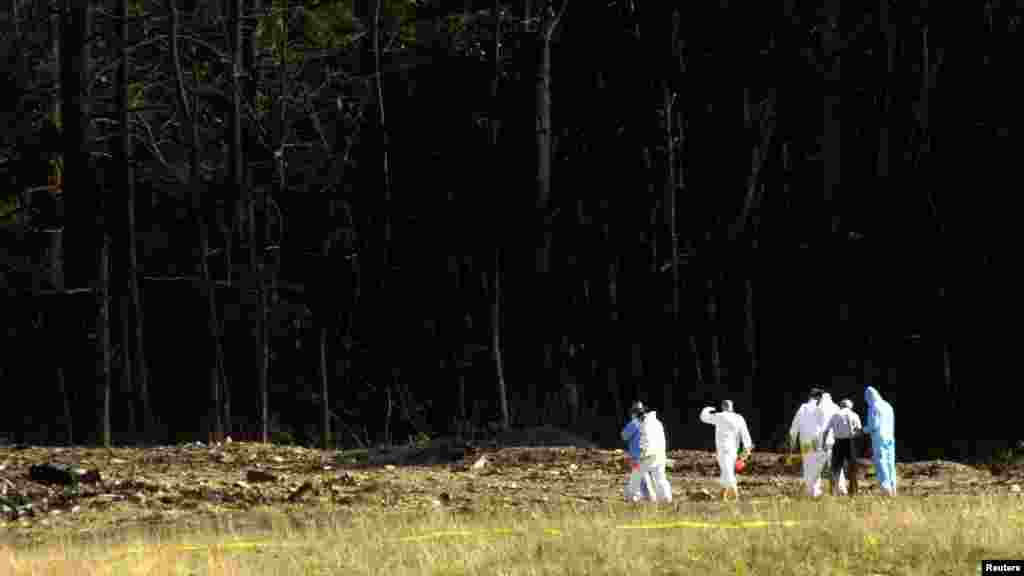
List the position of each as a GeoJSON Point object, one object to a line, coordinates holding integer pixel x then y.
{"type": "Point", "coordinates": [325, 417]}
{"type": "Point", "coordinates": [379, 86]}
{"type": "Point", "coordinates": [190, 118]}
{"type": "Point", "coordinates": [671, 188]}
{"type": "Point", "coordinates": [496, 343]}
{"type": "Point", "coordinates": [549, 24]}
{"type": "Point", "coordinates": [58, 273]}
{"type": "Point", "coordinates": [325, 410]}
{"type": "Point", "coordinates": [68, 422]}
{"type": "Point", "coordinates": [133, 340]}
{"type": "Point", "coordinates": [103, 326]}
{"type": "Point", "coordinates": [496, 304]}
{"type": "Point", "coordinates": [88, 204]}
{"type": "Point", "coordinates": [247, 195]}
{"type": "Point", "coordinates": [712, 309]}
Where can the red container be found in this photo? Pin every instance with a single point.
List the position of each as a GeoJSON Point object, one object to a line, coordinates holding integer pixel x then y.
{"type": "Point", "coordinates": [740, 465]}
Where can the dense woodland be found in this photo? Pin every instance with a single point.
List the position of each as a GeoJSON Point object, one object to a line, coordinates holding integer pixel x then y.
{"type": "Point", "coordinates": [345, 223]}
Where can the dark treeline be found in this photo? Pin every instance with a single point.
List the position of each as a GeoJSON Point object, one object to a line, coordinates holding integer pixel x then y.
{"type": "Point", "coordinates": [360, 222]}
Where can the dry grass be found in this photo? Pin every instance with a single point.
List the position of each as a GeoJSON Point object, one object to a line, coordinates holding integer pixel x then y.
{"type": "Point", "coordinates": [937, 535]}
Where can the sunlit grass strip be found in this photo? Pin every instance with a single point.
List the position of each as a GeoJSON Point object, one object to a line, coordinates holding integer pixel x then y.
{"type": "Point", "coordinates": [946, 535]}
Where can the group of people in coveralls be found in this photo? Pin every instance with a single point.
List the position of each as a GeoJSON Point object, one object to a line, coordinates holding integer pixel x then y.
{"type": "Point", "coordinates": [826, 434]}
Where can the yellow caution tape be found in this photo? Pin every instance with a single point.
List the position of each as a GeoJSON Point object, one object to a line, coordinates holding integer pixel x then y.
{"type": "Point", "coordinates": [457, 533]}
{"type": "Point", "coordinates": [689, 524]}
{"type": "Point", "coordinates": [236, 544]}
{"type": "Point", "coordinates": [557, 532]}
{"type": "Point", "coordinates": [241, 544]}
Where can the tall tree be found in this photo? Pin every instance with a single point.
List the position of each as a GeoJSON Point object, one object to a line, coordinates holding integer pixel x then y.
{"type": "Point", "coordinates": [190, 122]}
{"type": "Point", "coordinates": [133, 340]}
{"type": "Point", "coordinates": [549, 21]}
{"type": "Point", "coordinates": [496, 302]}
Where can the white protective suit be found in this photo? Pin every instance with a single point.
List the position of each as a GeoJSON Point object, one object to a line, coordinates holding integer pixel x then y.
{"type": "Point", "coordinates": [805, 430]}
{"type": "Point", "coordinates": [826, 409]}
{"type": "Point", "coordinates": [730, 429]}
{"type": "Point", "coordinates": [653, 458]}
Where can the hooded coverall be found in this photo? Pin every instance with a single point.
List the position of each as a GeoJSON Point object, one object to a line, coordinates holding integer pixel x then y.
{"type": "Point", "coordinates": [805, 429]}
{"type": "Point", "coordinates": [653, 458]}
{"type": "Point", "coordinates": [881, 425]}
{"type": "Point", "coordinates": [826, 409]}
{"type": "Point", "coordinates": [631, 435]}
{"type": "Point", "coordinates": [730, 428]}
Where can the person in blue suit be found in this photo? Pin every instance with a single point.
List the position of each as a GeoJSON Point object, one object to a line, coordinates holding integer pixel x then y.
{"type": "Point", "coordinates": [631, 435]}
{"type": "Point", "coordinates": [881, 425]}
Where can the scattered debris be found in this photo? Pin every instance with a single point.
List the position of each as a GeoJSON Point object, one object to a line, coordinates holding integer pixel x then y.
{"type": "Point", "coordinates": [62, 474]}
{"type": "Point", "coordinates": [173, 483]}
{"type": "Point", "coordinates": [256, 476]}
{"type": "Point", "coordinates": [299, 493]}
{"type": "Point", "coordinates": [702, 495]}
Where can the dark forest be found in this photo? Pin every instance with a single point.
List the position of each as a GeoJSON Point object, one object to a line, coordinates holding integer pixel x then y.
{"type": "Point", "coordinates": [350, 223]}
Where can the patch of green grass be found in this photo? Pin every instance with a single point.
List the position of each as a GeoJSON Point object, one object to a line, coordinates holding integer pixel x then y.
{"type": "Point", "coordinates": [938, 535]}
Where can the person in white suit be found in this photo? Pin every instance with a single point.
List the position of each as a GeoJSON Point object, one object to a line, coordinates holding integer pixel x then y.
{"type": "Point", "coordinates": [730, 429]}
{"type": "Point", "coordinates": [804, 434]}
{"type": "Point", "coordinates": [653, 458]}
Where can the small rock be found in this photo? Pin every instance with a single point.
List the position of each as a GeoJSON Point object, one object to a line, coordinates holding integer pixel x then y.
{"type": "Point", "coordinates": [389, 467]}
{"type": "Point", "coordinates": [260, 476]}
{"type": "Point", "coordinates": [306, 488]}
{"type": "Point", "coordinates": [278, 459]}
{"type": "Point", "coordinates": [228, 440]}
{"type": "Point", "coordinates": [701, 495]}
{"type": "Point", "coordinates": [480, 463]}
{"type": "Point", "coordinates": [1015, 488]}
{"type": "Point", "coordinates": [347, 479]}
{"type": "Point", "coordinates": [88, 476]}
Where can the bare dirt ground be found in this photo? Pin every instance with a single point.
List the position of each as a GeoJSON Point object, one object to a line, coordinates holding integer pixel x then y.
{"type": "Point", "coordinates": [120, 488]}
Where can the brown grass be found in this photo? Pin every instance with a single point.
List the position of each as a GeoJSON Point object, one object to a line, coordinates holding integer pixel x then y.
{"type": "Point", "coordinates": [868, 535]}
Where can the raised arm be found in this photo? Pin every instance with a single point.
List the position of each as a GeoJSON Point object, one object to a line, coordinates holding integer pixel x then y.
{"type": "Point", "coordinates": [706, 415]}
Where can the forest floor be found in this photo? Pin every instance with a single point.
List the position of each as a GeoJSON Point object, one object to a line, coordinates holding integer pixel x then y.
{"type": "Point", "coordinates": [95, 494]}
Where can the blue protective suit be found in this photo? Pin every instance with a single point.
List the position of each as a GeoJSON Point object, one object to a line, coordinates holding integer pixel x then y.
{"type": "Point", "coordinates": [631, 435]}
{"type": "Point", "coordinates": [881, 425]}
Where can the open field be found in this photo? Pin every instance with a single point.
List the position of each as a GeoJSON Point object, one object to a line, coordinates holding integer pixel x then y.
{"type": "Point", "coordinates": [936, 535]}
{"type": "Point", "coordinates": [537, 510]}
